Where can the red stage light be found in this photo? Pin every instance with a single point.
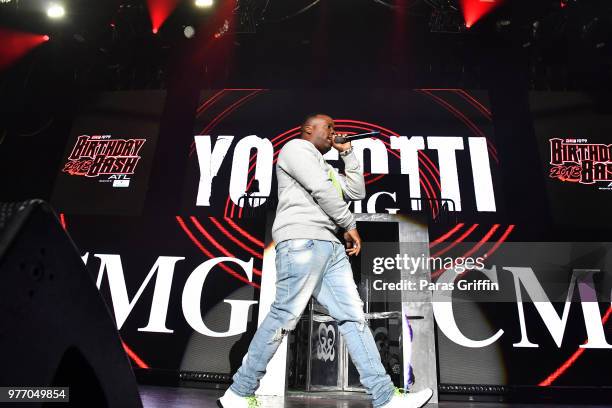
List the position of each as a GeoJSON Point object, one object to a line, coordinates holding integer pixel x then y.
{"type": "Point", "coordinates": [474, 10]}
{"type": "Point", "coordinates": [160, 10]}
{"type": "Point", "coordinates": [15, 44]}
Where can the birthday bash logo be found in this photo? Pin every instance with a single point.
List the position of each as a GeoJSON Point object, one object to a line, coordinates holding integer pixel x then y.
{"type": "Point", "coordinates": [106, 158]}
{"type": "Point", "coordinates": [577, 161]}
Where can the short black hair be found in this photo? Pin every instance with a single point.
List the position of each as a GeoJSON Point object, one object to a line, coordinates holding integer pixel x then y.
{"type": "Point", "coordinates": [309, 117]}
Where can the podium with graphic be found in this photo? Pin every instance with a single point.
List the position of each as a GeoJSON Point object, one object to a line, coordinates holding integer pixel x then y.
{"type": "Point", "coordinates": [403, 326]}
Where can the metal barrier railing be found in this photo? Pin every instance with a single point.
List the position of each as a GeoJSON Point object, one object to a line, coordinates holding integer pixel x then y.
{"type": "Point", "coordinates": [436, 210]}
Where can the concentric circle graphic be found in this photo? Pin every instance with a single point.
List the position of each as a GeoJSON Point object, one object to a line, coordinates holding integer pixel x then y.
{"type": "Point", "coordinates": [204, 232]}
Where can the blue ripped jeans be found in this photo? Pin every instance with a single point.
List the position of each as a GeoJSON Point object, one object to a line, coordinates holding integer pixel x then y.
{"type": "Point", "coordinates": [305, 268]}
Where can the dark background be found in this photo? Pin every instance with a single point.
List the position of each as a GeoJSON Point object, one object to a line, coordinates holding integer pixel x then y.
{"type": "Point", "coordinates": [347, 44]}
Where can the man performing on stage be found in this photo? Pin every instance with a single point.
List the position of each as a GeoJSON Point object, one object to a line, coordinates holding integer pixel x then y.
{"type": "Point", "coordinates": [311, 261]}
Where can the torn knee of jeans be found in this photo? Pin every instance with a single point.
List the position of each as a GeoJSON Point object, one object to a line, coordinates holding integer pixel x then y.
{"type": "Point", "coordinates": [279, 334]}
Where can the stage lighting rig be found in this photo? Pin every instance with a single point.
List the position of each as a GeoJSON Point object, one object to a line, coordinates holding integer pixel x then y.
{"type": "Point", "coordinates": [56, 11]}
{"type": "Point", "coordinates": [8, 5]}
{"type": "Point", "coordinates": [223, 30]}
{"type": "Point", "coordinates": [188, 31]}
{"type": "Point", "coordinates": [446, 17]}
{"type": "Point", "coordinates": [245, 17]}
{"type": "Point", "coordinates": [204, 3]}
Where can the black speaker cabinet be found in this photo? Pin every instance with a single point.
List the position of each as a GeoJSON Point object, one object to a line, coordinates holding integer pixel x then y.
{"type": "Point", "coordinates": [55, 329]}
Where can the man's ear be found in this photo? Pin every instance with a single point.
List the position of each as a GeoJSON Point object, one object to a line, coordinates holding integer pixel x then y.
{"type": "Point", "coordinates": [308, 129]}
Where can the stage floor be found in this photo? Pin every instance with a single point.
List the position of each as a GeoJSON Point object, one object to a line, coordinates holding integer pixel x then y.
{"type": "Point", "coordinates": [169, 397]}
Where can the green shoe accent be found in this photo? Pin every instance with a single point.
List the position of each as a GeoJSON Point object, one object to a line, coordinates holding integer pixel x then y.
{"type": "Point", "coordinates": [400, 391]}
{"type": "Point", "coordinates": [253, 402]}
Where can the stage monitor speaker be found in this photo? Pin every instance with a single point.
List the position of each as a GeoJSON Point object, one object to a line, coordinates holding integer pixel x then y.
{"type": "Point", "coordinates": [55, 329]}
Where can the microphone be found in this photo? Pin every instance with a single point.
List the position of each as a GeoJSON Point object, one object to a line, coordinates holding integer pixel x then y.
{"type": "Point", "coordinates": [345, 139]}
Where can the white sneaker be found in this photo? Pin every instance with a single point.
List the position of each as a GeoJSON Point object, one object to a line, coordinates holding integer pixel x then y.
{"type": "Point", "coordinates": [410, 400]}
{"type": "Point", "coordinates": [232, 400]}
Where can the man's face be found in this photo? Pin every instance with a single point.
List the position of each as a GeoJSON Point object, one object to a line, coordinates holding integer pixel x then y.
{"type": "Point", "coordinates": [321, 132]}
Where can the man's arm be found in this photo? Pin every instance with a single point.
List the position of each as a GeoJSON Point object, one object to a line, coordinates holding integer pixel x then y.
{"type": "Point", "coordinates": [354, 183]}
{"type": "Point", "coordinates": [301, 163]}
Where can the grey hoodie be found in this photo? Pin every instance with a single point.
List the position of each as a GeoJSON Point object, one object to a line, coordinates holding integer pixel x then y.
{"type": "Point", "coordinates": [310, 204]}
